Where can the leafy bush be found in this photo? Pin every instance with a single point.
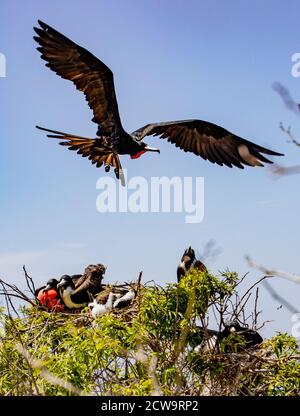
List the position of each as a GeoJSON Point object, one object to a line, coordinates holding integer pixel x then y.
{"type": "Point", "coordinates": [145, 349]}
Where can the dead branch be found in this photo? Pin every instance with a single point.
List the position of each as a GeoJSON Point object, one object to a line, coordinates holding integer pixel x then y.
{"type": "Point", "coordinates": [286, 97]}
{"type": "Point", "coordinates": [289, 133]}
{"type": "Point", "coordinates": [273, 272]}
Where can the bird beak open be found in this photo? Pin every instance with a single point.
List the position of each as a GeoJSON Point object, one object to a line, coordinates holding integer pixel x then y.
{"type": "Point", "coordinates": [151, 149]}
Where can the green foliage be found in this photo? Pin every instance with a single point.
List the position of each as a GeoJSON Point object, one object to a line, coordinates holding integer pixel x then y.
{"type": "Point", "coordinates": [284, 377]}
{"type": "Point", "coordinates": [64, 354]}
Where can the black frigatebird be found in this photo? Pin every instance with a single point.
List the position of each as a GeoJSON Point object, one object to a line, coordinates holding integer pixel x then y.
{"type": "Point", "coordinates": [211, 339]}
{"type": "Point", "coordinates": [95, 80]}
{"type": "Point", "coordinates": [49, 296]}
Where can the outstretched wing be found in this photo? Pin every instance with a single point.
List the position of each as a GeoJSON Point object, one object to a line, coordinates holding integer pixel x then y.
{"type": "Point", "coordinates": [209, 141]}
{"type": "Point", "coordinates": [89, 74]}
{"type": "Point", "coordinates": [98, 151]}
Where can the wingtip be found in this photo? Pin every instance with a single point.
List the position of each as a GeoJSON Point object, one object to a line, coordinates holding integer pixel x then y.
{"type": "Point", "coordinates": [271, 152]}
{"type": "Point", "coordinates": [37, 30]}
{"type": "Point", "coordinates": [42, 24]}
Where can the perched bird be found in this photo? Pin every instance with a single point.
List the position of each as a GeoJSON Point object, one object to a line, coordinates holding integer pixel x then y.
{"type": "Point", "coordinates": [250, 337]}
{"type": "Point", "coordinates": [78, 294]}
{"type": "Point", "coordinates": [211, 340]}
{"type": "Point", "coordinates": [49, 296]}
{"type": "Point", "coordinates": [95, 80]}
{"type": "Point", "coordinates": [188, 261]}
{"type": "Point", "coordinates": [51, 284]}
{"type": "Point", "coordinates": [74, 278]}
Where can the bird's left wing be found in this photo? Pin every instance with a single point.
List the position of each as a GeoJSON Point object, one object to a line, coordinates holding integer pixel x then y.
{"type": "Point", "coordinates": [209, 141]}
{"type": "Point", "coordinates": [88, 73]}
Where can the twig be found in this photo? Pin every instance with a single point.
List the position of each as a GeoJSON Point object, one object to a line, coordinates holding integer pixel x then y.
{"type": "Point", "coordinates": [29, 282]}
{"type": "Point", "coordinates": [256, 312]}
{"type": "Point", "coordinates": [289, 133]}
{"type": "Point", "coordinates": [250, 288]}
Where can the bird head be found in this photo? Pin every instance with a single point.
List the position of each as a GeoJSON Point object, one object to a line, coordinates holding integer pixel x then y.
{"type": "Point", "coordinates": [65, 282]}
{"type": "Point", "coordinates": [51, 284]}
{"type": "Point", "coordinates": [95, 271]}
{"type": "Point", "coordinates": [188, 256]}
{"type": "Point", "coordinates": [143, 148]}
{"type": "Point", "coordinates": [234, 326]}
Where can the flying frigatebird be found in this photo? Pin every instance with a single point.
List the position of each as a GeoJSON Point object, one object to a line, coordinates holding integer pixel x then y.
{"type": "Point", "coordinates": [95, 80]}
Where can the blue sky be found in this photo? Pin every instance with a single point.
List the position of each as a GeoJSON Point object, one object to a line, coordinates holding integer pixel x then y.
{"type": "Point", "coordinates": [212, 60]}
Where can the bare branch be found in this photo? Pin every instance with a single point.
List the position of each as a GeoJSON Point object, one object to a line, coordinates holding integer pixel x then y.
{"type": "Point", "coordinates": [286, 97]}
{"type": "Point", "coordinates": [273, 272]}
{"type": "Point", "coordinates": [289, 133]}
{"type": "Point", "coordinates": [279, 298]}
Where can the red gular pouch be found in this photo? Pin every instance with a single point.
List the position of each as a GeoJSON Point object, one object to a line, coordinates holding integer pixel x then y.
{"type": "Point", "coordinates": [50, 299]}
{"type": "Point", "coordinates": [137, 155]}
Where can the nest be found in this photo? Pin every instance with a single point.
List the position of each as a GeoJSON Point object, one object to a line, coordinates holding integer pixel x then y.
{"type": "Point", "coordinates": [81, 317]}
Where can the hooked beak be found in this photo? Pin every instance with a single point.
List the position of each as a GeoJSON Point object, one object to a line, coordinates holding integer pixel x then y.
{"type": "Point", "coordinates": [60, 284]}
{"type": "Point", "coordinates": [151, 149]}
{"type": "Point", "coordinates": [48, 287]}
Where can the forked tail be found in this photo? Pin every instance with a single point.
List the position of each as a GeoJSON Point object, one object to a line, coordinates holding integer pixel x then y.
{"type": "Point", "coordinates": [94, 149]}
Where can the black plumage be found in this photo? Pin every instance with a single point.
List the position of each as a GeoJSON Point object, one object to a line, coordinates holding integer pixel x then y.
{"type": "Point", "coordinates": [51, 284]}
{"type": "Point", "coordinates": [95, 80]}
{"type": "Point", "coordinates": [212, 341]}
{"type": "Point", "coordinates": [249, 337]}
{"type": "Point", "coordinates": [78, 292]}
